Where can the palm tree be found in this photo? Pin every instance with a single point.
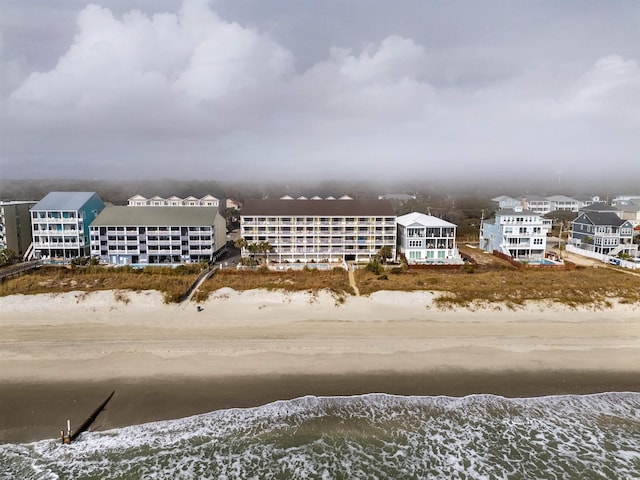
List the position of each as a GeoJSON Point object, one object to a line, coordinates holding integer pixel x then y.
{"type": "Point", "coordinates": [264, 248]}
{"type": "Point", "coordinates": [241, 243]}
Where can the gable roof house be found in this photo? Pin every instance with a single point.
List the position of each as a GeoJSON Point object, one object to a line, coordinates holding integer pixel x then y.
{"type": "Point", "coordinates": [602, 232]}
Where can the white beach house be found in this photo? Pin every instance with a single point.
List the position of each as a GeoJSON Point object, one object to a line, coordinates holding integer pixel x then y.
{"type": "Point", "coordinates": [425, 239]}
{"type": "Point", "coordinates": [521, 234]}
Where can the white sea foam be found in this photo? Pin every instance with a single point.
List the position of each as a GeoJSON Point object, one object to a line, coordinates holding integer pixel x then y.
{"type": "Point", "coordinates": [369, 436]}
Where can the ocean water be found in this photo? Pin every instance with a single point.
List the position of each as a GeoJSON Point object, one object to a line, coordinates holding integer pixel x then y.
{"type": "Point", "coordinates": [370, 437]}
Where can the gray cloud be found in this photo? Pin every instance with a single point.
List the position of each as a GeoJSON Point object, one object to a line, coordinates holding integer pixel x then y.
{"type": "Point", "coordinates": [263, 90]}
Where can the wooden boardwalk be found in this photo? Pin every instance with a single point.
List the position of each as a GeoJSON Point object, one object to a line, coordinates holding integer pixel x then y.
{"type": "Point", "coordinates": [17, 269]}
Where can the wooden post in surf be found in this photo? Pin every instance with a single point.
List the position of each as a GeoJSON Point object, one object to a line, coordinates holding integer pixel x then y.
{"type": "Point", "coordinates": [87, 423]}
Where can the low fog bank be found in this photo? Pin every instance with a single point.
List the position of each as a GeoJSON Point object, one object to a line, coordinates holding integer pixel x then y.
{"type": "Point", "coordinates": [117, 192]}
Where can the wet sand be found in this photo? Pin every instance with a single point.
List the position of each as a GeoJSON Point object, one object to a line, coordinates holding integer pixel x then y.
{"type": "Point", "coordinates": [36, 411]}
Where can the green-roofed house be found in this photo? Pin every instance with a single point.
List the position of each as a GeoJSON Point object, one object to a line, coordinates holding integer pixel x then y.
{"type": "Point", "coordinates": [157, 235]}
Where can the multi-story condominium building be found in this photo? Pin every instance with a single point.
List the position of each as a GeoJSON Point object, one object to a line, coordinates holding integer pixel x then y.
{"type": "Point", "coordinates": [157, 235]}
{"type": "Point", "coordinates": [603, 232]}
{"type": "Point", "coordinates": [424, 239]}
{"type": "Point", "coordinates": [15, 226]}
{"type": "Point", "coordinates": [521, 234]}
{"type": "Point", "coordinates": [206, 201]}
{"type": "Point", "coordinates": [60, 224]}
{"type": "Point", "coordinates": [319, 230]}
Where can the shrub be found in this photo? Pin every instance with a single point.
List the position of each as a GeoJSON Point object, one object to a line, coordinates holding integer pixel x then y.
{"type": "Point", "coordinates": [375, 267]}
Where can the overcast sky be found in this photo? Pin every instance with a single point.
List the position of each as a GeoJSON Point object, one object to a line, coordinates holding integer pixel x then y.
{"type": "Point", "coordinates": [307, 89]}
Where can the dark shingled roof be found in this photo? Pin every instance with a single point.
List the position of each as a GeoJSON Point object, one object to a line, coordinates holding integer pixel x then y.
{"type": "Point", "coordinates": [604, 218]}
{"type": "Point", "coordinates": [329, 208]}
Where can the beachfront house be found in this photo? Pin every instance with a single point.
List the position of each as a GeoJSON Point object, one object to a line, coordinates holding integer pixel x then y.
{"type": "Point", "coordinates": [146, 235]}
{"type": "Point", "coordinates": [603, 232]}
{"type": "Point", "coordinates": [425, 239]}
{"type": "Point", "coordinates": [518, 233]}
{"type": "Point", "coordinates": [15, 225]}
{"type": "Point", "coordinates": [60, 225]}
{"type": "Point", "coordinates": [319, 230]}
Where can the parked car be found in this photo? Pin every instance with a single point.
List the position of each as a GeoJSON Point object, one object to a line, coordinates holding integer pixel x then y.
{"type": "Point", "coordinates": [614, 261]}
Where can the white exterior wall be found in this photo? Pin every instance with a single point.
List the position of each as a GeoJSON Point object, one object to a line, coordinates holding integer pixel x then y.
{"type": "Point", "coordinates": [320, 238]}
{"type": "Point", "coordinates": [206, 201]}
{"type": "Point", "coordinates": [427, 243]}
{"type": "Point", "coordinates": [58, 233]}
{"type": "Point", "coordinates": [518, 234]}
{"type": "Point", "coordinates": [153, 245]}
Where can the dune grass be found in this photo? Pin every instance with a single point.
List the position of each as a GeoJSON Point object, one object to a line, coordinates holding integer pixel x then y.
{"type": "Point", "coordinates": [464, 287]}
{"type": "Point", "coordinates": [171, 282]}
{"type": "Point", "coordinates": [594, 287]}
{"type": "Point", "coordinates": [311, 280]}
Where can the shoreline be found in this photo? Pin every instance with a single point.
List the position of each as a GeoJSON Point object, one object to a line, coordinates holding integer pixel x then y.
{"type": "Point", "coordinates": [38, 411]}
{"type": "Point", "coordinates": [61, 355]}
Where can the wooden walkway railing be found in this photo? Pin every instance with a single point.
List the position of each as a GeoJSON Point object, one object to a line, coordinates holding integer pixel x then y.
{"type": "Point", "coordinates": [17, 269]}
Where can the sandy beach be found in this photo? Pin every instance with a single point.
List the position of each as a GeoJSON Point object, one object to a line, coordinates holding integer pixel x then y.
{"type": "Point", "coordinates": [60, 355]}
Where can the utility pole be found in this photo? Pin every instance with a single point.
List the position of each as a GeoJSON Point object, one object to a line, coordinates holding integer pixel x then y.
{"type": "Point", "coordinates": [480, 229]}
{"type": "Point", "coordinates": [560, 240]}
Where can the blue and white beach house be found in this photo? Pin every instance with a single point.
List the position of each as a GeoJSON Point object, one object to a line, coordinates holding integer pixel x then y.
{"type": "Point", "coordinates": [521, 234]}
{"type": "Point", "coordinates": [60, 224]}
